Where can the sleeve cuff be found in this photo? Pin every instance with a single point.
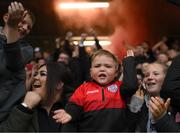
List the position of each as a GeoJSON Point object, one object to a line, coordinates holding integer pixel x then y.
{"type": "Point", "coordinates": [153, 121]}
{"type": "Point", "coordinates": [135, 104]}
{"type": "Point", "coordinates": [25, 109]}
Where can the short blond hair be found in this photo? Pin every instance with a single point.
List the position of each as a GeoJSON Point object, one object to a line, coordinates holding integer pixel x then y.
{"type": "Point", "coordinates": [106, 53]}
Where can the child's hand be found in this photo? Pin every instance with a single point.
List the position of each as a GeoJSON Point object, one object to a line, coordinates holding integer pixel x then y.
{"type": "Point", "coordinates": [140, 93]}
{"type": "Point", "coordinates": [130, 53]}
{"type": "Point", "coordinates": [158, 107]}
{"type": "Point", "coordinates": [61, 116]}
{"type": "Point", "coordinates": [136, 101]}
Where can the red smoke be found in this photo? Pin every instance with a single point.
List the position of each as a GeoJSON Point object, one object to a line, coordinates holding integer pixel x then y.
{"type": "Point", "coordinates": [128, 21]}
{"type": "Point", "coordinates": [136, 21]}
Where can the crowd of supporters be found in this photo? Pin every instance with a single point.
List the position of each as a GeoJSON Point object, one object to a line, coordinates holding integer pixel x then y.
{"type": "Point", "coordinates": [71, 89]}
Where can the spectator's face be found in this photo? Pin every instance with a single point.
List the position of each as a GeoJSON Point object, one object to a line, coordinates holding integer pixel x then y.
{"type": "Point", "coordinates": [37, 54]}
{"type": "Point", "coordinates": [139, 51]}
{"type": "Point", "coordinates": [63, 58]}
{"type": "Point", "coordinates": [103, 69]}
{"type": "Point", "coordinates": [46, 55]}
{"type": "Point", "coordinates": [164, 48]}
{"type": "Point", "coordinates": [145, 47]}
{"type": "Point", "coordinates": [41, 62]}
{"type": "Point", "coordinates": [172, 53]}
{"type": "Point", "coordinates": [154, 77]}
{"type": "Point", "coordinates": [162, 58]}
{"type": "Point", "coordinates": [25, 26]}
{"type": "Point", "coordinates": [39, 81]}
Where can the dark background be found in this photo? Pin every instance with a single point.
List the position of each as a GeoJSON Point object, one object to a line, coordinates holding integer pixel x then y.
{"type": "Point", "coordinates": [133, 21]}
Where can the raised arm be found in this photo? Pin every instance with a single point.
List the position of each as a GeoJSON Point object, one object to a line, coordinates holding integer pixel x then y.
{"type": "Point", "coordinates": [130, 83]}
{"type": "Point", "coordinates": [12, 49]}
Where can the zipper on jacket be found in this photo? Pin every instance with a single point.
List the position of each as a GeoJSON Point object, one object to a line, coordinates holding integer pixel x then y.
{"type": "Point", "coordinates": [103, 97]}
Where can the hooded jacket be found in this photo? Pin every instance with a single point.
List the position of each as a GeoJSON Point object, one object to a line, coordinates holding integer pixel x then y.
{"type": "Point", "coordinates": [13, 58]}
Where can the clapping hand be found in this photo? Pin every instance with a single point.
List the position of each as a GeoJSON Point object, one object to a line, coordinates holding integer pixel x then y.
{"type": "Point", "coordinates": [158, 107]}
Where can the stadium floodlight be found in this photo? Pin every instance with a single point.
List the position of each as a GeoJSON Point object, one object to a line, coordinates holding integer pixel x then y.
{"type": "Point", "coordinates": [83, 5]}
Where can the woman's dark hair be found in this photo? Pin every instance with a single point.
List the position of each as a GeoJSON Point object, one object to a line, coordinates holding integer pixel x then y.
{"type": "Point", "coordinates": [56, 73]}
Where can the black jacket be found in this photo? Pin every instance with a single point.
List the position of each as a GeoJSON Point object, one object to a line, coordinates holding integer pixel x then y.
{"type": "Point", "coordinates": [13, 58]}
{"type": "Point", "coordinates": [167, 124]}
{"type": "Point", "coordinates": [97, 108]}
{"type": "Point", "coordinates": [22, 119]}
{"type": "Point", "coordinates": [171, 85]}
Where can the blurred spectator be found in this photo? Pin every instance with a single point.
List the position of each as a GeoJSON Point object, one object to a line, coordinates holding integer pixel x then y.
{"type": "Point", "coordinates": [172, 53]}
{"type": "Point", "coordinates": [15, 54]}
{"type": "Point", "coordinates": [147, 51]}
{"type": "Point", "coordinates": [160, 47]}
{"type": "Point", "coordinates": [94, 34]}
{"type": "Point", "coordinates": [64, 57]}
{"type": "Point", "coordinates": [41, 61]}
{"type": "Point", "coordinates": [140, 56]}
{"type": "Point", "coordinates": [162, 58]}
{"type": "Point", "coordinates": [37, 53]}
